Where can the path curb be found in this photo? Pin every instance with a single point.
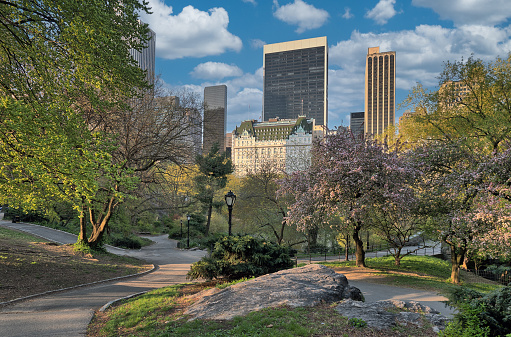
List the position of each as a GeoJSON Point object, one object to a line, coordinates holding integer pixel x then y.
{"type": "Point", "coordinates": [21, 299]}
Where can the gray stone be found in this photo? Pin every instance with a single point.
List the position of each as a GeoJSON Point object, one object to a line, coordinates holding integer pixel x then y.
{"type": "Point", "coordinates": [298, 287]}
{"type": "Point", "coordinates": [386, 314]}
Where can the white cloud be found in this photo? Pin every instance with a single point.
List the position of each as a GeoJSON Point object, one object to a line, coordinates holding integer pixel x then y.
{"type": "Point", "coordinates": [301, 14]}
{"type": "Point", "coordinates": [463, 12]}
{"type": "Point", "coordinates": [382, 12]}
{"type": "Point", "coordinates": [347, 13]}
{"type": "Point", "coordinates": [191, 33]}
{"type": "Point", "coordinates": [257, 43]}
{"type": "Point", "coordinates": [215, 71]}
{"type": "Point", "coordinates": [420, 56]}
{"type": "Point", "coordinates": [253, 2]}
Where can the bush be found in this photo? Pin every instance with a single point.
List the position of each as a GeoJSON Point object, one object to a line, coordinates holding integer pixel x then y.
{"type": "Point", "coordinates": [130, 242]}
{"type": "Point", "coordinates": [482, 314]}
{"type": "Point", "coordinates": [236, 257]}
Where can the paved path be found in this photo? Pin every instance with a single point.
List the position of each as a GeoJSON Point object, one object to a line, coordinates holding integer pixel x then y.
{"type": "Point", "coordinates": [68, 313]}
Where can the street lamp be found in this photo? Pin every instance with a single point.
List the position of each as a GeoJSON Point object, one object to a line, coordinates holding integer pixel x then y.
{"type": "Point", "coordinates": [230, 198]}
{"type": "Point", "coordinates": [188, 240]}
{"type": "Point", "coordinates": [181, 229]}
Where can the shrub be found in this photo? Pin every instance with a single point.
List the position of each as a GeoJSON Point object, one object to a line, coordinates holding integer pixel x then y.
{"type": "Point", "coordinates": [357, 322]}
{"type": "Point", "coordinates": [467, 323]}
{"type": "Point", "coordinates": [236, 257]}
{"type": "Point", "coordinates": [483, 314]}
{"type": "Point", "coordinates": [130, 242]}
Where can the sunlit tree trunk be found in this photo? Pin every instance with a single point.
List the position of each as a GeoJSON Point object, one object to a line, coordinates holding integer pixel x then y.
{"type": "Point", "coordinates": [359, 248]}
{"type": "Point", "coordinates": [457, 257]}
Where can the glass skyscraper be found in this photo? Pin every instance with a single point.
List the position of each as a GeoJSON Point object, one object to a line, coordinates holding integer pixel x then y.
{"type": "Point", "coordinates": [215, 117]}
{"type": "Point", "coordinates": [146, 57]}
{"type": "Point", "coordinates": [296, 80]}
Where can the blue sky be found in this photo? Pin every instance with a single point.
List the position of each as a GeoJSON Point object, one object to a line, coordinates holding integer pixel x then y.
{"type": "Point", "coordinates": [209, 42]}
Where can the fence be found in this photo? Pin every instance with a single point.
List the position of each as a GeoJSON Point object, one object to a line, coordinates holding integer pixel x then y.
{"type": "Point", "coordinates": [503, 278]}
{"type": "Point", "coordinates": [338, 254]}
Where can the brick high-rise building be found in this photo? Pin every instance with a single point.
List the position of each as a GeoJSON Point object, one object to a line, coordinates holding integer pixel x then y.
{"type": "Point", "coordinates": [380, 91]}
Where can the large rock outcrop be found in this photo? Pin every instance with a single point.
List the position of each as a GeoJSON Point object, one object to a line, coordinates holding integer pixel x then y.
{"type": "Point", "coordinates": [298, 287]}
{"type": "Point", "coordinates": [390, 313]}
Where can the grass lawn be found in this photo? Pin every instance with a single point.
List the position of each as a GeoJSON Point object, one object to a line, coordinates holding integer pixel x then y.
{"type": "Point", "coordinates": [30, 265]}
{"type": "Point", "coordinates": [419, 272]}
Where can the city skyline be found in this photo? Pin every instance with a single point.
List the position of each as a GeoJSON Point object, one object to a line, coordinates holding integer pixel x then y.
{"type": "Point", "coordinates": [208, 43]}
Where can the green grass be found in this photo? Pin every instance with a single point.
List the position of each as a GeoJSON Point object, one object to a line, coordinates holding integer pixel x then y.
{"type": "Point", "coordinates": [278, 322]}
{"type": "Point", "coordinates": [425, 272]}
{"type": "Point", "coordinates": [227, 284]}
{"type": "Point", "coordinates": [10, 234]}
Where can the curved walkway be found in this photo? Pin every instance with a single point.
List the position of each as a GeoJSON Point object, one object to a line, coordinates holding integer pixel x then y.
{"type": "Point", "coordinates": [68, 313]}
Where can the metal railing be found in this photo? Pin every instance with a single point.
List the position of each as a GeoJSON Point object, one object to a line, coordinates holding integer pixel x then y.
{"type": "Point", "coordinates": [502, 278]}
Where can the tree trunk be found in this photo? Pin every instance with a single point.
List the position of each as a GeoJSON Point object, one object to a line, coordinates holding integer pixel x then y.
{"type": "Point", "coordinates": [359, 246]}
{"type": "Point", "coordinates": [313, 237]}
{"type": "Point", "coordinates": [282, 227]}
{"type": "Point", "coordinates": [100, 224]}
{"type": "Point", "coordinates": [82, 237]}
{"type": "Point", "coordinates": [398, 257]}
{"type": "Point", "coordinates": [347, 248]}
{"type": "Point", "coordinates": [457, 257]}
{"type": "Point", "coordinates": [208, 222]}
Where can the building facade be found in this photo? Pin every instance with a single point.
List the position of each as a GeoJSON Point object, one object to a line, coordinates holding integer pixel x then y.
{"type": "Point", "coordinates": [380, 91]}
{"type": "Point", "coordinates": [146, 57]}
{"type": "Point", "coordinates": [357, 124]}
{"type": "Point", "coordinates": [282, 144]}
{"type": "Point", "coordinates": [215, 117]}
{"type": "Point", "coordinates": [296, 80]}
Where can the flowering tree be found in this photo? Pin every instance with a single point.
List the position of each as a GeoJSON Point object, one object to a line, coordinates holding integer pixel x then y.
{"type": "Point", "coordinates": [349, 178]}
{"type": "Point", "coordinates": [455, 192]}
{"type": "Point", "coordinates": [461, 132]}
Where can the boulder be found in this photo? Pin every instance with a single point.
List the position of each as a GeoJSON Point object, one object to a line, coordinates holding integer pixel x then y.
{"type": "Point", "coordinates": [389, 313]}
{"type": "Point", "coordinates": [297, 287]}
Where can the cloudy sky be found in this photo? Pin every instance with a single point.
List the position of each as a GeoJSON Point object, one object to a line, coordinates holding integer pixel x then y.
{"type": "Point", "coordinates": [208, 42]}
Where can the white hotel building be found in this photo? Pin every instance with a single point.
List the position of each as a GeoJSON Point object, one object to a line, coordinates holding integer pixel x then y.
{"type": "Point", "coordinates": [282, 143]}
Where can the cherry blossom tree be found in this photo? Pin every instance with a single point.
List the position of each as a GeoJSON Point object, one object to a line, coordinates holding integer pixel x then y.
{"type": "Point", "coordinates": [349, 178]}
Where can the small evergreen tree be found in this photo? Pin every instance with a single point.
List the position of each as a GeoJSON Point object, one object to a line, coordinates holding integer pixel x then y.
{"type": "Point", "coordinates": [213, 170]}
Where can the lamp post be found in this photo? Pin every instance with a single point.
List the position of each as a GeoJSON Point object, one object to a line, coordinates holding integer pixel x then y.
{"type": "Point", "coordinates": [230, 198]}
{"type": "Point", "coordinates": [188, 240]}
{"type": "Point", "coordinates": [181, 229]}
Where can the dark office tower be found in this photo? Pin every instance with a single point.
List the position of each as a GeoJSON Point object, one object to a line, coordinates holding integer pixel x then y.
{"type": "Point", "coordinates": [296, 80]}
{"type": "Point", "coordinates": [380, 91]}
{"type": "Point", "coordinates": [357, 124]}
{"type": "Point", "coordinates": [215, 117]}
{"type": "Point", "coordinates": [146, 57]}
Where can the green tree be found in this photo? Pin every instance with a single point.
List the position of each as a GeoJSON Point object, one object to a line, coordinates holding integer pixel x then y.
{"type": "Point", "coordinates": [152, 135]}
{"type": "Point", "coordinates": [261, 209]}
{"type": "Point", "coordinates": [472, 104]}
{"type": "Point", "coordinates": [212, 177]}
{"type": "Point", "coordinates": [459, 130]}
{"type": "Point", "coordinates": [62, 62]}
